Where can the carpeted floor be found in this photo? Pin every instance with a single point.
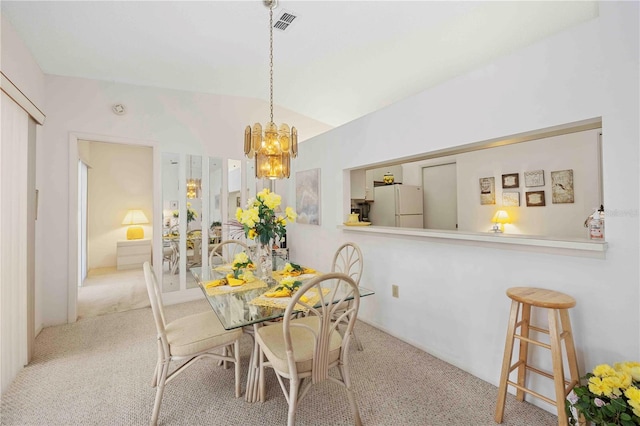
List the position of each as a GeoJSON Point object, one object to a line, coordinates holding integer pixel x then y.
{"type": "Point", "coordinates": [98, 372]}
{"type": "Point", "coordinates": [107, 290]}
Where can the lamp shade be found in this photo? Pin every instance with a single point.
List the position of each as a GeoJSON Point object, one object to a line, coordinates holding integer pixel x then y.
{"type": "Point", "coordinates": [135, 217]}
{"type": "Point", "coordinates": [501, 216]}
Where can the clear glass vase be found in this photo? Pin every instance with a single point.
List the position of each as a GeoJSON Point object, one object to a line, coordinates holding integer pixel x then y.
{"type": "Point", "coordinates": [264, 262]}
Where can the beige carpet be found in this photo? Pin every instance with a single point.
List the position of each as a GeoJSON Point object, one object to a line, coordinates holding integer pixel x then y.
{"type": "Point", "coordinates": [98, 372]}
{"type": "Point", "coordinates": [107, 290]}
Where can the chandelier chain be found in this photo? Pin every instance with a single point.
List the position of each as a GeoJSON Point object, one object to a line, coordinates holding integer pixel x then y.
{"type": "Point", "coordinates": [271, 61]}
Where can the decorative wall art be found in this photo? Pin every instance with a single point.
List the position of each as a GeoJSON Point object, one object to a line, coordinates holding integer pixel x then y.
{"type": "Point", "coordinates": [511, 180]}
{"type": "Point", "coordinates": [511, 199]}
{"type": "Point", "coordinates": [487, 190]}
{"type": "Point", "coordinates": [534, 178]}
{"type": "Point", "coordinates": [535, 198]}
{"type": "Point", "coordinates": [308, 196]}
{"type": "Point", "coordinates": [562, 186]}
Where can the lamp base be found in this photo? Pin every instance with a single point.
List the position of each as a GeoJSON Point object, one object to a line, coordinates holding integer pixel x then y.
{"type": "Point", "coordinates": [135, 233]}
{"type": "Point", "coordinates": [497, 228]}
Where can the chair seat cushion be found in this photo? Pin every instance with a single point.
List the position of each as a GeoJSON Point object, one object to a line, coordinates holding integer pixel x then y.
{"type": "Point", "coordinates": [271, 338]}
{"type": "Point", "coordinates": [198, 333]}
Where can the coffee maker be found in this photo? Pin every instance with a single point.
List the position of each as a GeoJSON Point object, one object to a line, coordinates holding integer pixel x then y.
{"type": "Point", "coordinates": [364, 212]}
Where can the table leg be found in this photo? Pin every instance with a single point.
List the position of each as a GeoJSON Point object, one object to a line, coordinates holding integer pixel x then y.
{"type": "Point", "coordinates": [252, 392]}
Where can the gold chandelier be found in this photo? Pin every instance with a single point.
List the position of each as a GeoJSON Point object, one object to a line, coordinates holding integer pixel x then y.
{"type": "Point", "coordinates": [274, 148]}
{"type": "Point", "coordinates": [193, 185]}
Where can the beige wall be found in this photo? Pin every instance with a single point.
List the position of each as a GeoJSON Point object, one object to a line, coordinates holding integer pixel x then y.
{"type": "Point", "coordinates": [120, 178]}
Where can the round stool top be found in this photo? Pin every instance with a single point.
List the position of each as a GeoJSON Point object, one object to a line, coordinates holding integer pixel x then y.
{"type": "Point", "coordinates": [541, 297]}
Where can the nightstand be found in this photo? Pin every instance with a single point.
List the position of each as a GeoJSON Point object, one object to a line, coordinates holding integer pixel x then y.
{"type": "Point", "coordinates": [131, 254]}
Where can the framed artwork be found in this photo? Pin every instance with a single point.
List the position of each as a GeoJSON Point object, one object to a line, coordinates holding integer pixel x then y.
{"type": "Point", "coordinates": [562, 186]}
{"type": "Point", "coordinates": [511, 199]}
{"type": "Point", "coordinates": [487, 190]}
{"type": "Point", "coordinates": [535, 198]}
{"type": "Point", "coordinates": [308, 197]}
{"type": "Point", "coordinates": [534, 178]}
{"type": "Point", "coordinates": [511, 180]}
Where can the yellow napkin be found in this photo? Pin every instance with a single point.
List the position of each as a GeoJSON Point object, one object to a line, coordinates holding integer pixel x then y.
{"type": "Point", "coordinates": [297, 273]}
{"type": "Point", "coordinates": [215, 283]}
{"type": "Point", "coordinates": [233, 282]}
{"type": "Point", "coordinates": [285, 292]}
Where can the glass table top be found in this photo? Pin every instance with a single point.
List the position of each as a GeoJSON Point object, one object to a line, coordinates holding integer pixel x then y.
{"type": "Point", "coordinates": [233, 308]}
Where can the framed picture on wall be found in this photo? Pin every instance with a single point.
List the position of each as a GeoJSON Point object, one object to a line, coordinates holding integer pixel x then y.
{"type": "Point", "coordinates": [535, 199]}
{"type": "Point", "coordinates": [511, 199]}
{"type": "Point", "coordinates": [562, 187]}
{"type": "Point", "coordinates": [511, 180]}
{"type": "Point", "coordinates": [487, 191]}
{"type": "Point", "coordinates": [308, 196]}
{"type": "Point", "coordinates": [534, 178]}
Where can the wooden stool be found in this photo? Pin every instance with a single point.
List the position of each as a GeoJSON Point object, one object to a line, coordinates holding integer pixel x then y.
{"type": "Point", "coordinates": [556, 303]}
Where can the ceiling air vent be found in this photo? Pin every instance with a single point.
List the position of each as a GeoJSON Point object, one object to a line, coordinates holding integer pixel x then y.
{"type": "Point", "coordinates": [284, 20]}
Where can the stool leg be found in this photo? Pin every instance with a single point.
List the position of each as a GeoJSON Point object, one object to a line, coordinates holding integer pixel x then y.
{"type": "Point", "coordinates": [506, 362]}
{"type": "Point", "coordinates": [524, 349]}
{"type": "Point", "coordinates": [558, 369]}
{"type": "Point", "coordinates": [572, 359]}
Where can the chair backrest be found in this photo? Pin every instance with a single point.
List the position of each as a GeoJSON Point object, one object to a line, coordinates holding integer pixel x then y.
{"type": "Point", "coordinates": [155, 297]}
{"type": "Point", "coordinates": [348, 260]}
{"type": "Point", "coordinates": [225, 251]}
{"type": "Point", "coordinates": [331, 305]}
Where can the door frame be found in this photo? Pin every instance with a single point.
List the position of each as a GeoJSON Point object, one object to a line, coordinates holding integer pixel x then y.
{"type": "Point", "coordinates": [74, 157]}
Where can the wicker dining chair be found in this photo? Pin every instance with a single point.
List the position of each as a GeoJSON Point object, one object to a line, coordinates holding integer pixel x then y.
{"type": "Point", "coordinates": [225, 251]}
{"type": "Point", "coordinates": [188, 338]}
{"type": "Point", "coordinates": [348, 260]}
{"type": "Point", "coordinates": [303, 350]}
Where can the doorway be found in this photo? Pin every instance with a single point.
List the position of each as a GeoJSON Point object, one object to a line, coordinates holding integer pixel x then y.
{"type": "Point", "coordinates": [440, 194]}
{"type": "Point", "coordinates": [112, 178]}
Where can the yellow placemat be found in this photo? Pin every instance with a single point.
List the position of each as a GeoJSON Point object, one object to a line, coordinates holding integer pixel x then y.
{"type": "Point", "coordinates": [223, 289]}
{"type": "Point", "coordinates": [282, 302]}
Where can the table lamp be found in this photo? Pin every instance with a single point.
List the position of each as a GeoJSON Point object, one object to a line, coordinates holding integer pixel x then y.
{"type": "Point", "coordinates": [499, 219]}
{"type": "Point", "coordinates": [135, 217]}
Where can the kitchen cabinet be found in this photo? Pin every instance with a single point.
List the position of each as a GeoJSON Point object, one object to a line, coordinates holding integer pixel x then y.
{"type": "Point", "coordinates": [358, 184]}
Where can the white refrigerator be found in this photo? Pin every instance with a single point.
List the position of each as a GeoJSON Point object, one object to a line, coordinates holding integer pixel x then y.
{"type": "Point", "coordinates": [397, 205]}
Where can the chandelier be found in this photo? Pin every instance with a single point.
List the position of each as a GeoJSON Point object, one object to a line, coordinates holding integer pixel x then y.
{"type": "Point", "coordinates": [274, 147]}
{"type": "Point", "coordinates": [193, 185]}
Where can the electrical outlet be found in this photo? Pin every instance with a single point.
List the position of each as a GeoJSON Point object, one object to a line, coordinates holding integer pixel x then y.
{"type": "Point", "coordinates": [394, 290]}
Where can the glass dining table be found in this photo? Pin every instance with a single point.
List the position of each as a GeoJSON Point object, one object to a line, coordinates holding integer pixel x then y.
{"type": "Point", "coordinates": [245, 307]}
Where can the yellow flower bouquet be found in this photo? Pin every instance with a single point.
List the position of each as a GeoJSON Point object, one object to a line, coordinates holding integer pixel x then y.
{"type": "Point", "coordinates": [259, 219]}
{"type": "Point", "coordinates": [261, 223]}
{"type": "Point", "coordinates": [610, 397]}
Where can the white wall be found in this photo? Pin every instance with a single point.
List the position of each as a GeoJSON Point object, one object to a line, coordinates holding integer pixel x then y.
{"type": "Point", "coordinates": [452, 295]}
{"type": "Point", "coordinates": [577, 151]}
{"type": "Point", "coordinates": [176, 121]}
{"type": "Point", "coordinates": [120, 179]}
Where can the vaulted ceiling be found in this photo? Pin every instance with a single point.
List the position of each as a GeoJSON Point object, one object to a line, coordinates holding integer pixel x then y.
{"type": "Point", "coordinates": [337, 61]}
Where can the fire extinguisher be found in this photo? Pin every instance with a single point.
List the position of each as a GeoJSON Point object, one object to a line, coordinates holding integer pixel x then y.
{"type": "Point", "coordinates": [595, 224]}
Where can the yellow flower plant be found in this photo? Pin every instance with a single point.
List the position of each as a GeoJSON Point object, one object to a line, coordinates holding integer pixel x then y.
{"type": "Point", "coordinates": [259, 219]}
{"type": "Point", "coordinates": [611, 396]}
{"type": "Point", "coordinates": [240, 262]}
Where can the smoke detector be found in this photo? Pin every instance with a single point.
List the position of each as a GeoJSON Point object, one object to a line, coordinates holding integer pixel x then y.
{"type": "Point", "coordinates": [118, 109]}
